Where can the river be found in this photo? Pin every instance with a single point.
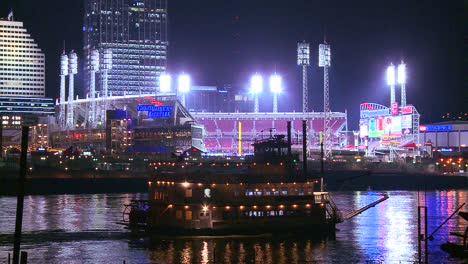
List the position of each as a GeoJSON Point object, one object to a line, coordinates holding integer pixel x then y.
{"type": "Point", "coordinates": [83, 229]}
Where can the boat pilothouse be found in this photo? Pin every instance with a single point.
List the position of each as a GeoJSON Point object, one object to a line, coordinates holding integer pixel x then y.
{"type": "Point", "coordinates": [268, 195]}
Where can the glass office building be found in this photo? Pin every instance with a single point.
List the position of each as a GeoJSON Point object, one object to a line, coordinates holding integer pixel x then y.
{"type": "Point", "coordinates": [136, 32]}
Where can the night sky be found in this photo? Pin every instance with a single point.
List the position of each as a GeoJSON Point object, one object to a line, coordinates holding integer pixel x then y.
{"type": "Point", "coordinates": [225, 42]}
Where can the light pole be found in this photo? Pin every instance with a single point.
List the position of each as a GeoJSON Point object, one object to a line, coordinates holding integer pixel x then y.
{"type": "Point", "coordinates": [391, 82]}
{"type": "Point", "coordinates": [165, 83]}
{"type": "Point", "coordinates": [256, 87]}
{"type": "Point", "coordinates": [183, 86]}
{"type": "Point", "coordinates": [275, 87]}
{"type": "Point", "coordinates": [402, 81]}
{"type": "Point", "coordinates": [303, 56]}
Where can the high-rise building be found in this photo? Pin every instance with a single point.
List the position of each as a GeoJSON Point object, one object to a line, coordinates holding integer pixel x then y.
{"type": "Point", "coordinates": [22, 67]}
{"type": "Point", "coordinates": [136, 33]}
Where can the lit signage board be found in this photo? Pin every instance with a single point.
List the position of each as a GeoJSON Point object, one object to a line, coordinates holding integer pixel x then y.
{"type": "Point", "coordinates": [374, 113]}
{"type": "Point", "coordinates": [155, 111]}
{"type": "Point", "coordinates": [394, 108]}
{"type": "Point", "coordinates": [407, 109]}
{"type": "Point", "coordinates": [376, 126]}
{"type": "Point", "coordinates": [406, 124]}
{"type": "Point", "coordinates": [435, 128]}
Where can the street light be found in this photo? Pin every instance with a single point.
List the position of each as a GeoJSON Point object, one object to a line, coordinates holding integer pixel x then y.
{"type": "Point", "coordinates": [275, 87]}
{"type": "Point", "coordinates": [402, 81]}
{"type": "Point", "coordinates": [256, 87]}
{"type": "Point", "coordinates": [165, 83]}
{"type": "Point", "coordinates": [391, 81]}
{"type": "Point", "coordinates": [183, 86]}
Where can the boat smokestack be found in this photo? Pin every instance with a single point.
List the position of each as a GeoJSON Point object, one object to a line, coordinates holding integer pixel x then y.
{"type": "Point", "coordinates": [304, 147]}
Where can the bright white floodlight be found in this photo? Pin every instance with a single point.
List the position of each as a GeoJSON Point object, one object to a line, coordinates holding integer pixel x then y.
{"type": "Point", "coordinates": [256, 84]}
{"type": "Point", "coordinates": [391, 75]}
{"type": "Point", "coordinates": [275, 83]}
{"type": "Point", "coordinates": [402, 73]}
{"type": "Point", "coordinates": [165, 83]}
{"type": "Point", "coordinates": [184, 83]}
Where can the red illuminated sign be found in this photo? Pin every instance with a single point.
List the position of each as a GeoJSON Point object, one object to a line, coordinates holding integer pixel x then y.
{"type": "Point", "coordinates": [407, 110]}
{"type": "Point", "coordinates": [394, 108]}
{"type": "Point", "coordinates": [422, 128]}
{"type": "Point", "coordinates": [150, 100]}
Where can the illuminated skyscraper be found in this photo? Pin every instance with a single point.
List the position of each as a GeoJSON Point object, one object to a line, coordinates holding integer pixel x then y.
{"type": "Point", "coordinates": [136, 33]}
{"type": "Point", "coordinates": [22, 67]}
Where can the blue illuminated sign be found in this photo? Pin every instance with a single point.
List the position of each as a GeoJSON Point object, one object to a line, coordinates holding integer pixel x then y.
{"type": "Point", "coordinates": [375, 113]}
{"type": "Point", "coordinates": [439, 128]}
{"type": "Point", "coordinates": [155, 111]}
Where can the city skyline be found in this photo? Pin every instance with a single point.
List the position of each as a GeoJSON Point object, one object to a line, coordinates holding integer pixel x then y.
{"type": "Point", "coordinates": [246, 38]}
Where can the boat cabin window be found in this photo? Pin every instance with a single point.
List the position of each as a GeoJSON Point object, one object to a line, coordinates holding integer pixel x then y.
{"type": "Point", "coordinates": [293, 191]}
{"type": "Point", "coordinates": [204, 214]}
{"type": "Point", "coordinates": [188, 192]}
{"type": "Point", "coordinates": [178, 214]}
{"type": "Point", "coordinates": [207, 193]}
{"type": "Point", "coordinates": [284, 191]}
{"type": "Point", "coordinates": [258, 192]}
{"type": "Point", "coordinates": [159, 195]}
{"type": "Point", "coordinates": [249, 192]}
{"type": "Point", "coordinates": [188, 215]}
{"type": "Point", "coordinates": [300, 191]}
{"type": "Point", "coordinates": [275, 192]}
{"type": "Point", "coordinates": [267, 191]}
{"type": "Point", "coordinates": [310, 191]}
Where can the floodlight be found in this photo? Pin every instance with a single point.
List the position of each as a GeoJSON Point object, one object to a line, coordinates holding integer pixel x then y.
{"type": "Point", "coordinates": [184, 83]}
{"type": "Point", "coordinates": [165, 83]}
{"type": "Point", "coordinates": [391, 75]}
{"type": "Point", "coordinates": [401, 73]}
{"type": "Point", "coordinates": [256, 84]}
{"type": "Point", "coordinates": [275, 83]}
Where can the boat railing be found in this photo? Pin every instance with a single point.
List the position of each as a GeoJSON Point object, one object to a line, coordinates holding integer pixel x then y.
{"type": "Point", "coordinates": [136, 212]}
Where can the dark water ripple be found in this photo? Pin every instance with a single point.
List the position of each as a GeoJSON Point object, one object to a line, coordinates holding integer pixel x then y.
{"type": "Point", "coordinates": [83, 229]}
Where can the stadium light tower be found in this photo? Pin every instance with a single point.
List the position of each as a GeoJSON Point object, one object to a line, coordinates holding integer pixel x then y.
{"type": "Point", "coordinates": [164, 83]}
{"type": "Point", "coordinates": [275, 87]}
{"type": "Point", "coordinates": [402, 81]}
{"type": "Point", "coordinates": [183, 86]}
{"type": "Point", "coordinates": [303, 56]}
{"type": "Point", "coordinates": [256, 87]}
{"type": "Point", "coordinates": [63, 73]}
{"type": "Point", "coordinates": [325, 63]}
{"type": "Point", "coordinates": [72, 70]}
{"type": "Point", "coordinates": [391, 82]}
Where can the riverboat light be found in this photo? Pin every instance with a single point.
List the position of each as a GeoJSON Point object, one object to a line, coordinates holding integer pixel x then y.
{"type": "Point", "coordinates": [294, 205]}
{"type": "Point", "coordinates": [185, 184]}
{"type": "Point", "coordinates": [149, 183]}
{"type": "Point", "coordinates": [268, 206]}
{"type": "Point", "coordinates": [307, 205]}
{"type": "Point", "coordinates": [205, 208]}
{"type": "Point", "coordinates": [228, 207]}
{"type": "Point", "coordinates": [170, 206]}
{"type": "Point", "coordinates": [186, 207]}
{"type": "Point", "coordinates": [281, 206]}
{"type": "Point", "coordinates": [254, 207]}
{"type": "Point", "coordinates": [241, 207]}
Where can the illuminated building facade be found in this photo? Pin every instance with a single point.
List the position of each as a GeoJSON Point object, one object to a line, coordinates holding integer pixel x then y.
{"type": "Point", "coordinates": [136, 33]}
{"type": "Point", "coordinates": [22, 68]}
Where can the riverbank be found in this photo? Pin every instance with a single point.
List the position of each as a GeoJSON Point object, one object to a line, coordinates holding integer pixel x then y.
{"type": "Point", "coordinates": [77, 182]}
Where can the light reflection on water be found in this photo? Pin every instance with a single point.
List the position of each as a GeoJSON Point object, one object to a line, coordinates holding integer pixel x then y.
{"type": "Point", "coordinates": [83, 229]}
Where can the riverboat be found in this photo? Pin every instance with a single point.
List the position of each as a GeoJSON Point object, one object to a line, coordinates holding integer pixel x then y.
{"type": "Point", "coordinates": [267, 193]}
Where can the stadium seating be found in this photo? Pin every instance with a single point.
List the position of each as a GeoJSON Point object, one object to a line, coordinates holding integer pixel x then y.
{"type": "Point", "coordinates": [226, 125]}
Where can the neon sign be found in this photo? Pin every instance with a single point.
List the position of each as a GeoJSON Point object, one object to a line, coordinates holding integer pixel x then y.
{"type": "Point", "coordinates": [435, 128]}
{"type": "Point", "coordinates": [155, 111]}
